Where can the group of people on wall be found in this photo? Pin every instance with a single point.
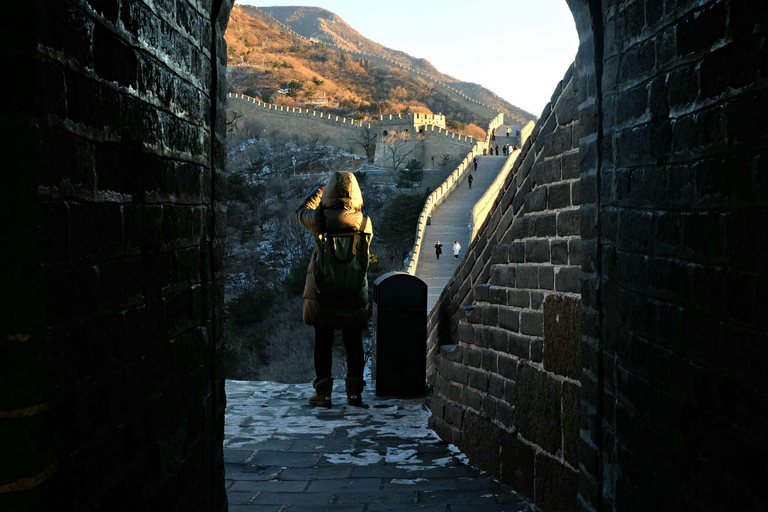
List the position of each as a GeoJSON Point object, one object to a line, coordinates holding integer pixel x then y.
{"type": "Point", "coordinates": [456, 249]}
{"type": "Point", "coordinates": [506, 149]}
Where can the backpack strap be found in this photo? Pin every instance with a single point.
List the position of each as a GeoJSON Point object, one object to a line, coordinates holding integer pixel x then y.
{"type": "Point", "coordinates": [321, 212]}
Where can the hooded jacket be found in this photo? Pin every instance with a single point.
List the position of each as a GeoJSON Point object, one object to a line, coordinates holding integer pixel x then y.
{"type": "Point", "coordinates": [340, 202]}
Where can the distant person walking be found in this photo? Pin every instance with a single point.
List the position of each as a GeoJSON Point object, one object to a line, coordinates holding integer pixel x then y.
{"type": "Point", "coordinates": [438, 249]}
{"type": "Point", "coordinates": [456, 249]}
{"type": "Point", "coordinates": [493, 134]}
{"type": "Point", "coordinates": [497, 150]}
{"type": "Point", "coordinates": [509, 130]}
{"type": "Point", "coordinates": [474, 161]}
{"type": "Point", "coordinates": [470, 179]}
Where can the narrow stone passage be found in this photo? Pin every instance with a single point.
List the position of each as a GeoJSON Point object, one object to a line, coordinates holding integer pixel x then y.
{"type": "Point", "coordinates": [282, 454]}
{"type": "Point", "coordinates": [450, 222]}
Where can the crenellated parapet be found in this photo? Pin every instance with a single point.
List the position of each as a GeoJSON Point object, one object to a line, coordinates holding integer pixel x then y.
{"type": "Point", "coordinates": [414, 119]}
{"type": "Point", "coordinates": [248, 117]}
{"type": "Point", "coordinates": [242, 99]}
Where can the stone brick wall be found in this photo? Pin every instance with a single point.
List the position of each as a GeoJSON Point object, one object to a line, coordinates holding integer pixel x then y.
{"type": "Point", "coordinates": [671, 185]}
{"type": "Point", "coordinates": [505, 337]}
{"type": "Point", "coordinates": [674, 382]}
{"type": "Point", "coordinates": [250, 118]}
{"type": "Point", "coordinates": [110, 394]}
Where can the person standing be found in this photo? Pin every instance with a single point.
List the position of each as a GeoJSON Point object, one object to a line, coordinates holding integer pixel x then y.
{"type": "Point", "coordinates": [470, 179]}
{"type": "Point", "coordinates": [509, 130]}
{"type": "Point", "coordinates": [336, 208]}
{"type": "Point", "coordinates": [438, 249]}
{"type": "Point", "coordinates": [497, 150]}
{"type": "Point", "coordinates": [474, 161]}
{"type": "Point", "coordinates": [493, 134]}
{"type": "Point", "coordinates": [456, 249]}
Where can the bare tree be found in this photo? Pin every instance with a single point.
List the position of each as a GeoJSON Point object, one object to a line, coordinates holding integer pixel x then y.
{"type": "Point", "coordinates": [316, 140]}
{"type": "Point", "coordinates": [293, 239]}
{"type": "Point", "coordinates": [366, 139]}
{"type": "Point", "coordinates": [398, 149]}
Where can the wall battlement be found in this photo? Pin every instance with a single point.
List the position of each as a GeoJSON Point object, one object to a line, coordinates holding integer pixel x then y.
{"type": "Point", "coordinates": [415, 119]}
{"type": "Point", "coordinates": [295, 111]}
{"type": "Point", "coordinates": [408, 121]}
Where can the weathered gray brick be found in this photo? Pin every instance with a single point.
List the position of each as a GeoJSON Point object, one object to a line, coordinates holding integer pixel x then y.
{"type": "Point", "coordinates": [509, 319]}
{"type": "Point", "coordinates": [531, 323]}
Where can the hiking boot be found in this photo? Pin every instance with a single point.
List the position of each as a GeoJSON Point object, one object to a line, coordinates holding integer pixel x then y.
{"type": "Point", "coordinates": [354, 391]}
{"type": "Point", "coordinates": [322, 396]}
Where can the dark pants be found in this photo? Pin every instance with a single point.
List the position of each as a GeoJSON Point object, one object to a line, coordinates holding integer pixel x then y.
{"type": "Point", "coordinates": [353, 344]}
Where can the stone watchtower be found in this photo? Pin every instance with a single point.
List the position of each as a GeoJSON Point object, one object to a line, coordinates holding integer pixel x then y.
{"type": "Point", "coordinates": [391, 124]}
{"type": "Point", "coordinates": [419, 136]}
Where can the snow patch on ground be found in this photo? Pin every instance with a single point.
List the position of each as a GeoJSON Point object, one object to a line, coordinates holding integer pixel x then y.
{"type": "Point", "coordinates": [404, 481]}
{"type": "Point", "coordinates": [364, 458]}
{"type": "Point", "coordinates": [261, 411]}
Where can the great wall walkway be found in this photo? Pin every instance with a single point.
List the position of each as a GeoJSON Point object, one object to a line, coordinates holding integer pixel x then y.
{"type": "Point", "coordinates": [450, 222]}
{"type": "Point", "coordinates": [282, 454]}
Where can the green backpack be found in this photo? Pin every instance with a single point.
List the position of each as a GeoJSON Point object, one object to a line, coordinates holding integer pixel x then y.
{"type": "Point", "coordinates": [341, 267]}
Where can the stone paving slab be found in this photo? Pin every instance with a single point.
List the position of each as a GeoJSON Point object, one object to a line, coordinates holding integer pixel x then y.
{"type": "Point", "coordinates": [253, 508]}
{"type": "Point", "coordinates": [334, 507]}
{"type": "Point", "coordinates": [377, 507]}
{"type": "Point", "coordinates": [298, 498]}
{"type": "Point", "coordinates": [255, 486]}
{"type": "Point", "coordinates": [317, 473]}
{"type": "Point", "coordinates": [284, 458]}
{"type": "Point", "coordinates": [237, 472]}
{"type": "Point", "coordinates": [346, 485]}
{"type": "Point", "coordinates": [389, 497]}
{"type": "Point", "coordinates": [284, 455]}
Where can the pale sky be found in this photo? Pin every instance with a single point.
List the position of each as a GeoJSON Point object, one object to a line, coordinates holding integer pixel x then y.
{"type": "Point", "coordinates": [519, 49]}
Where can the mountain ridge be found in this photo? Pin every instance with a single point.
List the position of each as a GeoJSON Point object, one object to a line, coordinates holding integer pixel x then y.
{"type": "Point", "coordinates": [346, 37]}
{"type": "Point", "coordinates": [294, 17]}
{"type": "Point", "coordinates": [310, 44]}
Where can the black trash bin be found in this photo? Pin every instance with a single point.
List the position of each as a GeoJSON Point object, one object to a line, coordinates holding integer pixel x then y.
{"type": "Point", "coordinates": [400, 334]}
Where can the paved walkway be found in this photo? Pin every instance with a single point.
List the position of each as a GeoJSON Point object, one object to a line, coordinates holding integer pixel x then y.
{"type": "Point", "coordinates": [450, 222]}
{"type": "Point", "coordinates": [283, 455]}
